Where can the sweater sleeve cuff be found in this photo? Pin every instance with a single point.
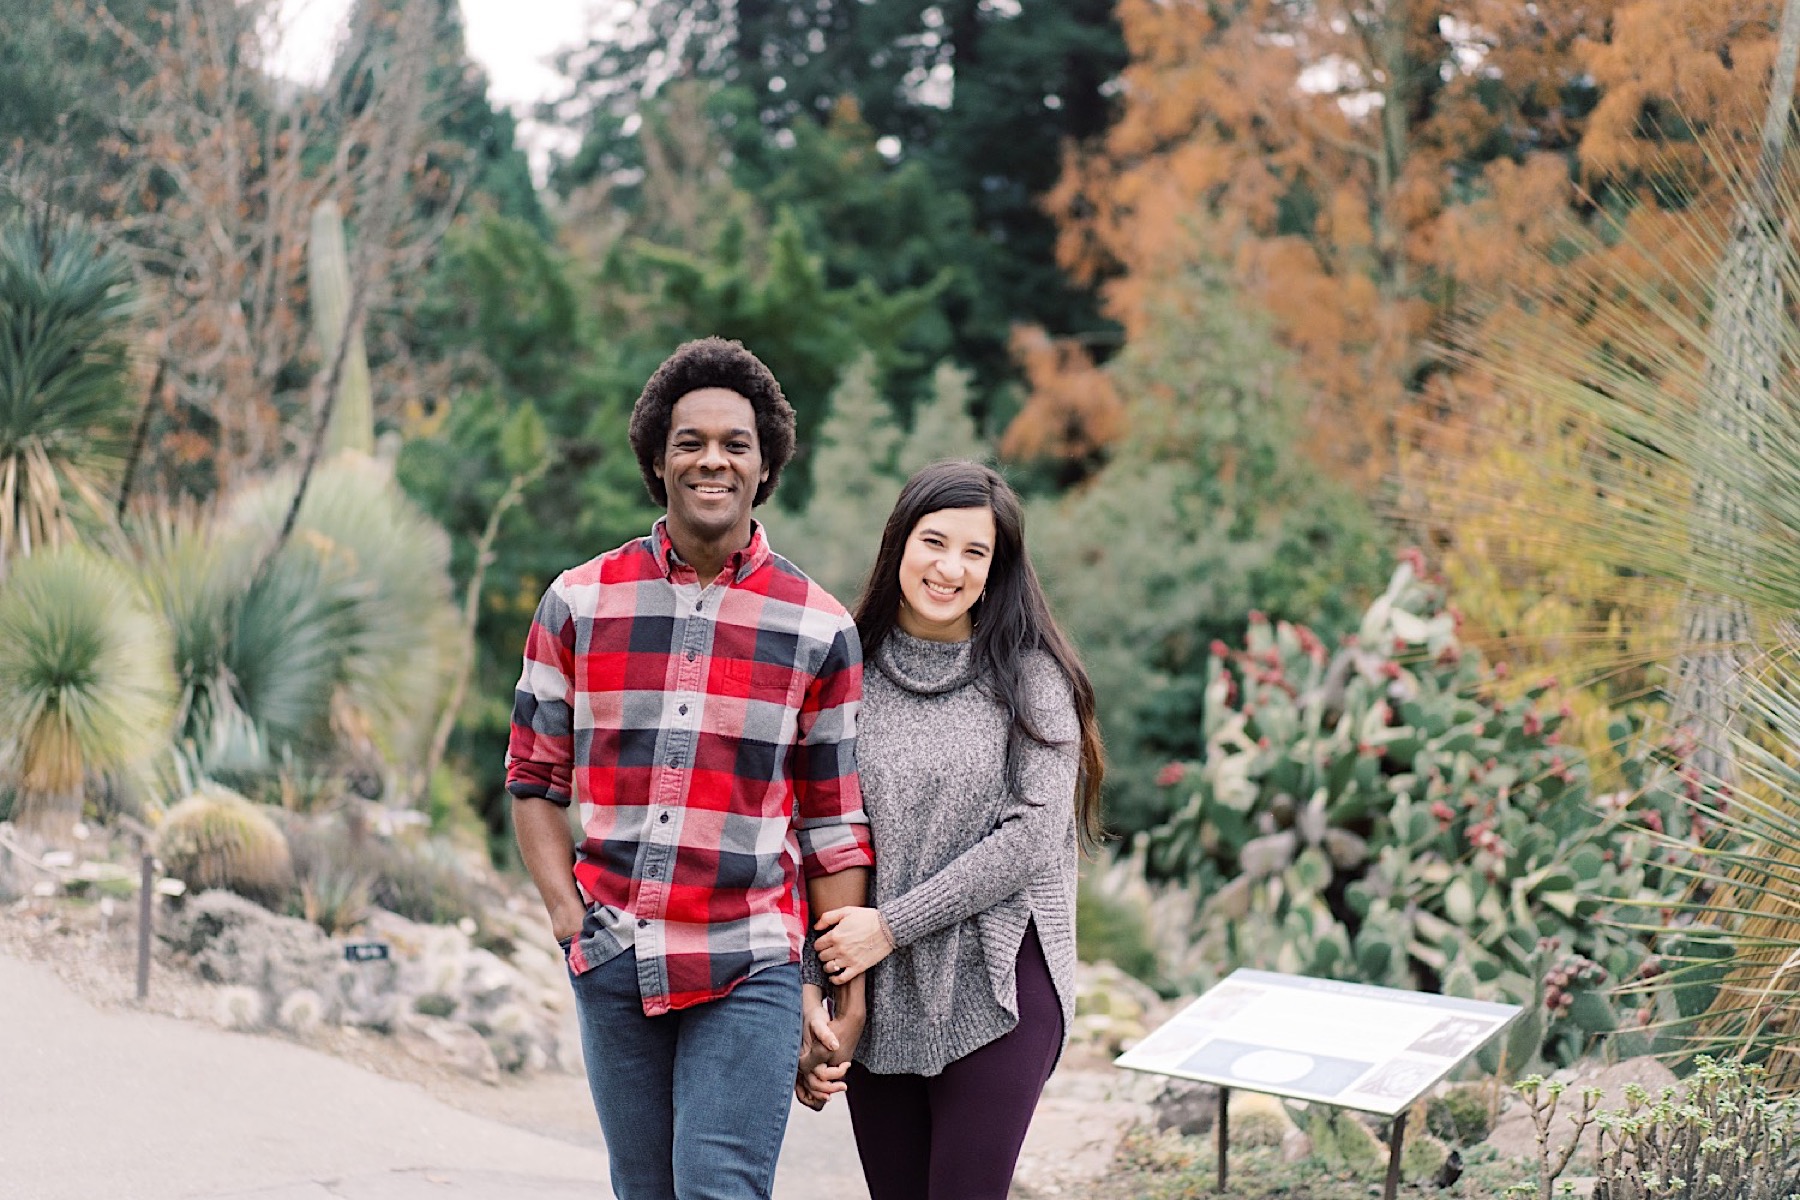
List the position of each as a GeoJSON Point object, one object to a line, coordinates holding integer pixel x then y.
{"type": "Point", "coordinates": [908, 919]}
{"type": "Point", "coordinates": [811, 969]}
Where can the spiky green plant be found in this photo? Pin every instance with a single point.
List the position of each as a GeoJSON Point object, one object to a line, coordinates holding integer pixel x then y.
{"type": "Point", "coordinates": [366, 565]}
{"type": "Point", "coordinates": [1665, 349]}
{"type": "Point", "coordinates": [85, 682]}
{"type": "Point", "coordinates": [63, 300]}
{"type": "Point", "coordinates": [257, 658]}
{"type": "Point", "coordinates": [215, 838]}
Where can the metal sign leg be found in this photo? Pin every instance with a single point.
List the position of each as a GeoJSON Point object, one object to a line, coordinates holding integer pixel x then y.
{"type": "Point", "coordinates": [1224, 1132]}
{"type": "Point", "coordinates": [1396, 1143]}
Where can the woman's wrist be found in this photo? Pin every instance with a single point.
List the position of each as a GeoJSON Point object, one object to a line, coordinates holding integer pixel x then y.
{"type": "Point", "coordinates": [887, 931]}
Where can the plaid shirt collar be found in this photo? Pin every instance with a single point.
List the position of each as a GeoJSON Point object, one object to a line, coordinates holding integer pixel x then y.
{"type": "Point", "coordinates": [742, 563]}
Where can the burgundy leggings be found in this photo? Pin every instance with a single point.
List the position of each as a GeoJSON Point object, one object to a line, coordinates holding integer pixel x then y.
{"type": "Point", "coordinates": [956, 1135]}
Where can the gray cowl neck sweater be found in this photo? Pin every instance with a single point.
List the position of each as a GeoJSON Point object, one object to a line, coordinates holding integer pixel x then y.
{"type": "Point", "coordinates": [962, 867]}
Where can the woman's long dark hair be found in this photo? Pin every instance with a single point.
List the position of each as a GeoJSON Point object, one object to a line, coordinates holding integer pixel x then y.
{"type": "Point", "coordinates": [1010, 620]}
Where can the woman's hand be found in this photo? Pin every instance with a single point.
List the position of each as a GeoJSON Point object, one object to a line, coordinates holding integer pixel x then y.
{"type": "Point", "coordinates": [857, 939]}
{"type": "Point", "coordinates": [818, 1077]}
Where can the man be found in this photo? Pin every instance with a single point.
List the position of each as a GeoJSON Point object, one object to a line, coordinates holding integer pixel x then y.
{"type": "Point", "coordinates": [696, 694]}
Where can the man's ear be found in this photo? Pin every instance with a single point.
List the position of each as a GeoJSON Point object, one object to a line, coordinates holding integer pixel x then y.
{"type": "Point", "coordinates": [764, 477]}
{"type": "Point", "coordinates": [657, 466]}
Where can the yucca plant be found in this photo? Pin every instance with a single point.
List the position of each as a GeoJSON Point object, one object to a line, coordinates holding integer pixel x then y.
{"type": "Point", "coordinates": [85, 682]}
{"type": "Point", "coordinates": [381, 567]}
{"type": "Point", "coordinates": [1662, 347]}
{"type": "Point", "coordinates": [257, 658]}
{"type": "Point", "coordinates": [63, 300]}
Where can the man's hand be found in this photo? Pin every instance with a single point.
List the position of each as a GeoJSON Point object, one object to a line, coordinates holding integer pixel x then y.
{"type": "Point", "coordinates": [566, 919]}
{"type": "Point", "coordinates": [818, 1077]}
{"type": "Point", "coordinates": [857, 939]}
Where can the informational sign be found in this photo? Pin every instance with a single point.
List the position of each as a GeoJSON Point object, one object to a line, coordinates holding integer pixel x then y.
{"type": "Point", "coordinates": [1372, 1049]}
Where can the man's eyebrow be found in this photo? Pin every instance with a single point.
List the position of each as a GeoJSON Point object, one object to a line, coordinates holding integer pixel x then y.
{"type": "Point", "coordinates": [690, 431]}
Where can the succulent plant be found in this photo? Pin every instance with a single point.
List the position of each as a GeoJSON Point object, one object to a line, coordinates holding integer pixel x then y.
{"type": "Point", "coordinates": [215, 838]}
{"type": "Point", "coordinates": [1392, 812]}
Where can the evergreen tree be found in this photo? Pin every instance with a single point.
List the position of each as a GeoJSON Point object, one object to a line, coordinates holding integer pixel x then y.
{"type": "Point", "coordinates": [835, 537]}
{"type": "Point", "coordinates": [1203, 514]}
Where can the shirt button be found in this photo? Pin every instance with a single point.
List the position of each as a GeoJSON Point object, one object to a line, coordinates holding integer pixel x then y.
{"type": "Point", "coordinates": [643, 924]}
{"type": "Point", "coordinates": [664, 818]}
{"type": "Point", "coordinates": [682, 710]}
{"type": "Point", "coordinates": [691, 656]}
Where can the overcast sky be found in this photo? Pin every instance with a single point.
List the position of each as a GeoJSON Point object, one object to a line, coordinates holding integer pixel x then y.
{"type": "Point", "coordinates": [513, 39]}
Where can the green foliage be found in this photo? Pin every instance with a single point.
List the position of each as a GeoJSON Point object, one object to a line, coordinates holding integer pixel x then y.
{"type": "Point", "coordinates": [344, 867]}
{"type": "Point", "coordinates": [85, 684]}
{"type": "Point", "coordinates": [63, 303]}
{"type": "Point", "coordinates": [979, 102]}
{"type": "Point", "coordinates": [1203, 514]}
{"type": "Point", "coordinates": [1108, 929]}
{"type": "Point", "coordinates": [1385, 814]}
{"type": "Point", "coordinates": [381, 567]}
{"type": "Point", "coordinates": [215, 838]}
{"type": "Point", "coordinates": [775, 299]}
{"type": "Point", "coordinates": [1721, 1135]}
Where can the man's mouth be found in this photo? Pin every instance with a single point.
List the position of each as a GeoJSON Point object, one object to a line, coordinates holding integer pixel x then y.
{"type": "Point", "coordinates": [711, 489]}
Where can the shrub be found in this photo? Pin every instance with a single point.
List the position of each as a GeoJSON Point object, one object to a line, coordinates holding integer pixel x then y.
{"type": "Point", "coordinates": [1721, 1136]}
{"type": "Point", "coordinates": [1385, 813]}
{"type": "Point", "coordinates": [217, 839]}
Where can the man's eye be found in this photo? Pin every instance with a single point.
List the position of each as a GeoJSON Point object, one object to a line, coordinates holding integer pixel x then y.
{"type": "Point", "coordinates": [741, 447]}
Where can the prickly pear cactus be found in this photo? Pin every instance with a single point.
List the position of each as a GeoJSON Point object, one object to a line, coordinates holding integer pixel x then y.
{"type": "Point", "coordinates": [1383, 812]}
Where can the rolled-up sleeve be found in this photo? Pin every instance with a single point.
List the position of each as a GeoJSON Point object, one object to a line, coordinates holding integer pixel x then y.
{"type": "Point", "coordinates": [828, 811]}
{"type": "Point", "coordinates": [540, 750]}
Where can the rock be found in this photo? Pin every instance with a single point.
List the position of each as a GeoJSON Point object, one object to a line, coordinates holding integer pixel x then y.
{"type": "Point", "coordinates": [1190, 1109]}
{"type": "Point", "coordinates": [1296, 1147]}
{"type": "Point", "coordinates": [435, 1039]}
{"type": "Point", "coordinates": [1515, 1134]}
{"type": "Point", "coordinates": [228, 940]}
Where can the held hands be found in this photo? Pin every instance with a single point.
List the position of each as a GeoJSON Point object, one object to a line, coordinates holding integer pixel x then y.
{"type": "Point", "coordinates": [858, 938]}
{"type": "Point", "coordinates": [826, 1044]}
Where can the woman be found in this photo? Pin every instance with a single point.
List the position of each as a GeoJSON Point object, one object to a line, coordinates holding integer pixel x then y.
{"type": "Point", "coordinates": [981, 763]}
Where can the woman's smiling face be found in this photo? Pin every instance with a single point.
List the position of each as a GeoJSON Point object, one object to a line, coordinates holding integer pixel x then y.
{"type": "Point", "coordinates": [943, 572]}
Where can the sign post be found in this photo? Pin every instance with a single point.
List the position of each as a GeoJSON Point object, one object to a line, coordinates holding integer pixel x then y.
{"type": "Point", "coordinates": [1350, 1045]}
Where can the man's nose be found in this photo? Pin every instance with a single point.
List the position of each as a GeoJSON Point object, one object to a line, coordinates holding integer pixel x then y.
{"type": "Point", "coordinates": [712, 456]}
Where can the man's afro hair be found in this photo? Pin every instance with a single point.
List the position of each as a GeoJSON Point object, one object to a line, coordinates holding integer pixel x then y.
{"type": "Point", "coordinates": [707, 363]}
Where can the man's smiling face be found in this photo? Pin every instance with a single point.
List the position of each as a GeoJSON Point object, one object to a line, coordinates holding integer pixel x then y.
{"type": "Point", "coordinates": [711, 465]}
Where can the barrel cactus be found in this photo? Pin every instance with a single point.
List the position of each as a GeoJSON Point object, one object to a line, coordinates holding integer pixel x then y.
{"type": "Point", "coordinates": [215, 838]}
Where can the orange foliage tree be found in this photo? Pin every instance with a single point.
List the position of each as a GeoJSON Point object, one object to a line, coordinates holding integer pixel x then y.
{"type": "Point", "coordinates": [1322, 150]}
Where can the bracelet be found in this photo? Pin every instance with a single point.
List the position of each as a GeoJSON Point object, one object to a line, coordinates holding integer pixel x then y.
{"type": "Point", "coordinates": [887, 931]}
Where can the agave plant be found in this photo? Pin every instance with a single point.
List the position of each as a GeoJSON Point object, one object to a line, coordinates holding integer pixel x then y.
{"type": "Point", "coordinates": [85, 683]}
{"type": "Point", "coordinates": [62, 404]}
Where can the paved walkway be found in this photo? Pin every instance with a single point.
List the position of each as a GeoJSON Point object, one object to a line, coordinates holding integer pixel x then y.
{"type": "Point", "coordinates": [134, 1106]}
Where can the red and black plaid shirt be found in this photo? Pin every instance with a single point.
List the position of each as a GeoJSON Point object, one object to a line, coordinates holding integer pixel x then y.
{"type": "Point", "coordinates": [709, 734]}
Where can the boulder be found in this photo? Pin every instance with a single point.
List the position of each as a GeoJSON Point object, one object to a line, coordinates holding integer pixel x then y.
{"type": "Point", "coordinates": [437, 1040]}
{"type": "Point", "coordinates": [228, 940]}
{"type": "Point", "coordinates": [1190, 1109]}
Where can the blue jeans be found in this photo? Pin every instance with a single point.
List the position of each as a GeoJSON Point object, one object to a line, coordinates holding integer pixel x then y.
{"type": "Point", "coordinates": [694, 1103]}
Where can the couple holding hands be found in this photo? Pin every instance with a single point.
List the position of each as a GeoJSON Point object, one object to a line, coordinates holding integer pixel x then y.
{"type": "Point", "coordinates": [920, 778]}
